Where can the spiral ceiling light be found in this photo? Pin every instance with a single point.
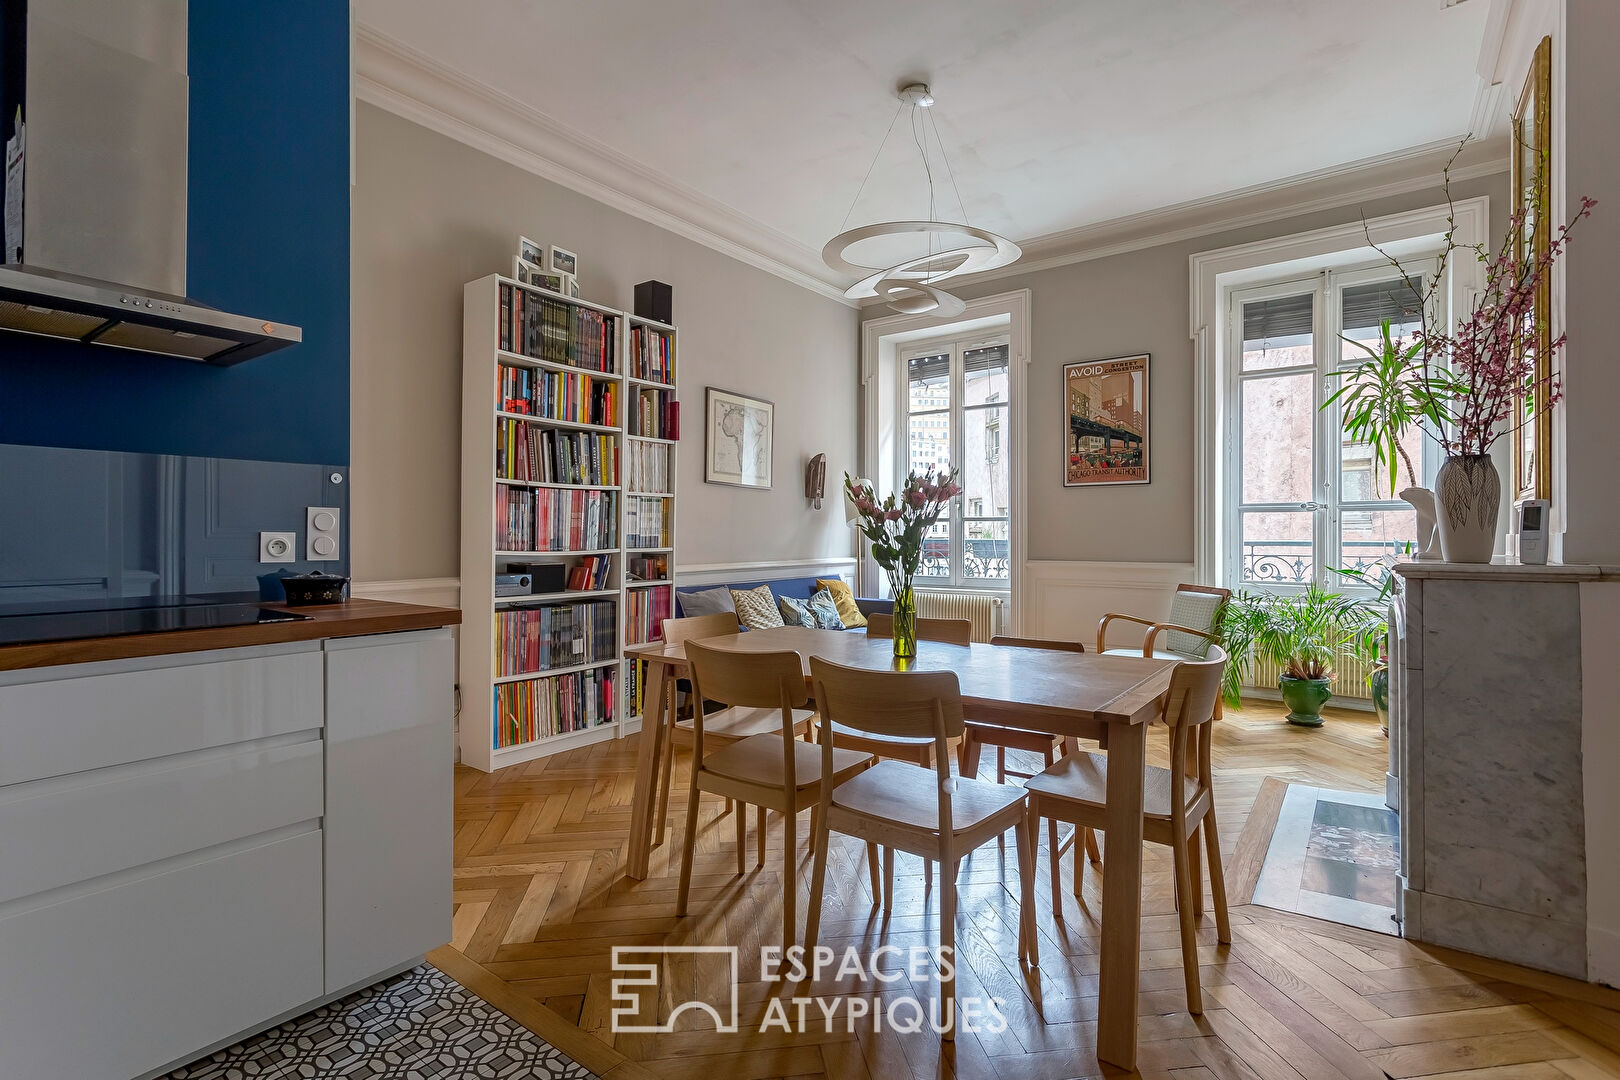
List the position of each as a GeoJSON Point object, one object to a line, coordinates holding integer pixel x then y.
{"type": "Point", "coordinates": [911, 286]}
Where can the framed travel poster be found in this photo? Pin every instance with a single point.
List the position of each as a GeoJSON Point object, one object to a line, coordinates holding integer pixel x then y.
{"type": "Point", "coordinates": [1105, 421]}
{"type": "Point", "coordinates": [738, 433]}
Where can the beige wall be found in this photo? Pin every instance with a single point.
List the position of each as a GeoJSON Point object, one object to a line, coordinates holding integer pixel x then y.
{"type": "Point", "coordinates": [1121, 305]}
{"type": "Point", "coordinates": [431, 214]}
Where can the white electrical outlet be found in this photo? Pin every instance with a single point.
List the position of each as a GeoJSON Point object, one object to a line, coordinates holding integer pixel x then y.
{"type": "Point", "coordinates": [321, 542]}
{"type": "Point", "coordinates": [277, 547]}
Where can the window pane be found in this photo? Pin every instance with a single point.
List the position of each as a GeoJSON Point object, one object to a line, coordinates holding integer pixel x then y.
{"type": "Point", "coordinates": [1357, 469]}
{"type": "Point", "coordinates": [984, 375]}
{"type": "Point", "coordinates": [1278, 333]}
{"type": "Point", "coordinates": [936, 553]}
{"type": "Point", "coordinates": [1365, 307]}
{"type": "Point", "coordinates": [1366, 536]}
{"type": "Point", "coordinates": [930, 380]}
{"type": "Point", "coordinates": [986, 550]}
{"type": "Point", "coordinates": [930, 441]}
{"type": "Point", "coordinates": [986, 475]}
{"type": "Point", "coordinates": [1278, 419]}
{"type": "Point", "coordinates": [1277, 546]}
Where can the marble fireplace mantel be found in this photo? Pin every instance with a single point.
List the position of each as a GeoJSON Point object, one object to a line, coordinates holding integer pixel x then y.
{"type": "Point", "coordinates": [1485, 704]}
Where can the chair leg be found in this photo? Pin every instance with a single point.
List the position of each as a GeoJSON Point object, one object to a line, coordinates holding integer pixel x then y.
{"type": "Point", "coordinates": [1079, 864]}
{"type": "Point", "coordinates": [686, 848]}
{"type": "Point", "coordinates": [947, 944]}
{"type": "Point", "coordinates": [1217, 879]}
{"type": "Point", "coordinates": [759, 834]}
{"type": "Point", "coordinates": [1001, 764]}
{"type": "Point", "coordinates": [872, 869]}
{"type": "Point", "coordinates": [1026, 901]}
{"type": "Point", "coordinates": [1054, 863]}
{"type": "Point", "coordinates": [1195, 870]}
{"type": "Point", "coordinates": [818, 882]}
{"type": "Point", "coordinates": [928, 875]}
{"type": "Point", "coordinates": [666, 771]}
{"type": "Point", "coordinates": [1091, 848]}
{"type": "Point", "coordinates": [1189, 934]}
{"type": "Point", "coordinates": [790, 884]}
{"type": "Point", "coordinates": [742, 838]}
{"type": "Point", "coordinates": [888, 881]}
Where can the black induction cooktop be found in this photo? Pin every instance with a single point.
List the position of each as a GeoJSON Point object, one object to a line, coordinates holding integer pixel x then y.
{"type": "Point", "coordinates": [69, 623]}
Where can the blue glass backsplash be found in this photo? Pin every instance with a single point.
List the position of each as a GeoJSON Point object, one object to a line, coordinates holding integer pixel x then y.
{"type": "Point", "coordinates": [103, 527]}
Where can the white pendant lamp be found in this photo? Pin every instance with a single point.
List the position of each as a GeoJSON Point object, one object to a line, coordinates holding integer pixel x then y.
{"type": "Point", "coordinates": [912, 285]}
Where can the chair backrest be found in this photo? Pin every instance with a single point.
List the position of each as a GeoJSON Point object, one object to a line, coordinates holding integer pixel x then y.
{"type": "Point", "coordinates": [1189, 708]}
{"type": "Point", "coordinates": [948, 631]}
{"type": "Point", "coordinates": [755, 680]}
{"type": "Point", "coordinates": [1197, 607]}
{"type": "Point", "coordinates": [1038, 643]}
{"type": "Point", "coordinates": [699, 626]}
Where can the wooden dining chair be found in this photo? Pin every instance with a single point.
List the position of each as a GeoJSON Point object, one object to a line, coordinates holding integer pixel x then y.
{"type": "Point", "coordinates": [1179, 802]}
{"type": "Point", "coordinates": [950, 631]}
{"type": "Point", "coordinates": [771, 770]}
{"type": "Point", "coordinates": [723, 727]}
{"type": "Point", "coordinates": [1193, 625]}
{"type": "Point", "coordinates": [1004, 738]}
{"type": "Point", "coordinates": [924, 811]}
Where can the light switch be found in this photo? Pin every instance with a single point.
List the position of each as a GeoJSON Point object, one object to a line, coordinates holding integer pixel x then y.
{"type": "Point", "coordinates": [321, 538]}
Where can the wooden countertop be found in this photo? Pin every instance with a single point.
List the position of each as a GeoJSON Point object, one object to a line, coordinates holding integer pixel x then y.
{"type": "Point", "coordinates": [352, 618]}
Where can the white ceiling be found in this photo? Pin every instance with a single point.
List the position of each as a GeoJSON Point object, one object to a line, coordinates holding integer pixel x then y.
{"type": "Point", "coordinates": [1056, 114]}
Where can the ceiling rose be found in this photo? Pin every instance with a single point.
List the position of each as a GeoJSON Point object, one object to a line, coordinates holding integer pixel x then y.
{"type": "Point", "coordinates": [911, 285]}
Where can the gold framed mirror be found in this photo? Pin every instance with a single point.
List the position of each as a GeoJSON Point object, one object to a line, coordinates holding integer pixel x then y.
{"type": "Point", "coordinates": [1532, 188]}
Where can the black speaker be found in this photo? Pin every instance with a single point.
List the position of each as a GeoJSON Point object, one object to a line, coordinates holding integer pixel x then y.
{"type": "Point", "coordinates": [655, 300]}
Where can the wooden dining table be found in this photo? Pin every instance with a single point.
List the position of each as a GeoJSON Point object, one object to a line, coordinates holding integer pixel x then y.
{"type": "Point", "coordinates": [1085, 695]}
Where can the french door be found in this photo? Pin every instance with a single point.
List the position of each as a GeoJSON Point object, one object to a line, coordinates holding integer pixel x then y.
{"type": "Point", "coordinates": [1305, 499]}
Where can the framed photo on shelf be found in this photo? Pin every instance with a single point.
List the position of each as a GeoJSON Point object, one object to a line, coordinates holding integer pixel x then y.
{"type": "Point", "coordinates": [1105, 421]}
{"type": "Point", "coordinates": [739, 438]}
{"type": "Point", "coordinates": [531, 252]}
{"type": "Point", "coordinates": [525, 271]}
{"type": "Point", "coordinates": [1532, 166]}
{"type": "Point", "coordinates": [563, 262]}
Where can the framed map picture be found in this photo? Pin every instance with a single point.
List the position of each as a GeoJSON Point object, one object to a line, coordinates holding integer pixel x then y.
{"type": "Point", "coordinates": [1105, 421]}
{"type": "Point", "coordinates": [739, 433]}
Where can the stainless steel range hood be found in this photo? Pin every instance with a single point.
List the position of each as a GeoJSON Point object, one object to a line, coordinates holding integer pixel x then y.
{"type": "Point", "coordinates": [102, 257]}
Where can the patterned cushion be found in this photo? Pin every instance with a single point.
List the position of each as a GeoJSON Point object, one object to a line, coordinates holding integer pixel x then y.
{"type": "Point", "coordinates": [795, 612]}
{"type": "Point", "coordinates": [1198, 610]}
{"type": "Point", "coordinates": [844, 600]}
{"type": "Point", "coordinates": [825, 611]}
{"type": "Point", "coordinates": [707, 602]}
{"type": "Point", "coordinates": [756, 608]}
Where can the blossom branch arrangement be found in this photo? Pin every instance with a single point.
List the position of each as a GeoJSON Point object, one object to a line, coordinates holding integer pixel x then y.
{"type": "Point", "coordinates": [897, 525]}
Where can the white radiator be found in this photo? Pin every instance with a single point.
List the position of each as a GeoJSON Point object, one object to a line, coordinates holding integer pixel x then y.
{"type": "Point", "coordinates": [1349, 682]}
{"type": "Point", "coordinates": [984, 610]}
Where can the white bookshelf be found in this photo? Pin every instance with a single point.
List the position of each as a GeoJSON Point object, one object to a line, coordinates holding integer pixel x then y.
{"type": "Point", "coordinates": [481, 559]}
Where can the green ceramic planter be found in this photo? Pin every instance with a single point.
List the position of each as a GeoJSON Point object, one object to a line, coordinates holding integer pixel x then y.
{"type": "Point", "coordinates": [1305, 698]}
{"type": "Point", "coordinates": [1378, 684]}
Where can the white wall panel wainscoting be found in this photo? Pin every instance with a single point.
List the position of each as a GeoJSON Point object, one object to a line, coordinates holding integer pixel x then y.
{"type": "Point", "coordinates": [840, 566]}
{"type": "Point", "coordinates": [1065, 600]}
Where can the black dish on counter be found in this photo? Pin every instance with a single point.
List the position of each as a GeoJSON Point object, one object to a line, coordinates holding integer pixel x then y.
{"type": "Point", "coordinates": [308, 589]}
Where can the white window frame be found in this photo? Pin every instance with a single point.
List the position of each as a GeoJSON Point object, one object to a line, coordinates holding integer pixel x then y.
{"type": "Point", "coordinates": [957, 519]}
{"type": "Point", "coordinates": [882, 338]}
{"type": "Point", "coordinates": [1213, 274]}
{"type": "Point", "coordinates": [1326, 499]}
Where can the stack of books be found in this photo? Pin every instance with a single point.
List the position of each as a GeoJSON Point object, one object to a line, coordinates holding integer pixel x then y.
{"type": "Point", "coordinates": [657, 415]}
{"type": "Point", "coordinates": [551, 519]}
{"type": "Point", "coordinates": [650, 355]}
{"type": "Point", "coordinates": [647, 567]}
{"type": "Point", "coordinates": [644, 614]}
{"type": "Point", "coordinates": [524, 451]}
{"type": "Point", "coordinates": [590, 574]}
{"type": "Point", "coordinates": [557, 395]}
{"type": "Point", "coordinates": [646, 467]}
{"type": "Point", "coordinates": [535, 708]}
{"type": "Point", "coordinates": [530, 640]}
{"type": "Point", "coordinates": [646, 523]}
{"type": "Point", "coordinates": [556, 331]}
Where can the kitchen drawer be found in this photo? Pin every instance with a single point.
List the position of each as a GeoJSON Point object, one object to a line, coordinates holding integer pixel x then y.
{"type": "Point", "coordinates": [71, 829]}
{"type": "Point", "coordinates": [111, 983]}
{"type": "Point", "coordinates": [122, 711]}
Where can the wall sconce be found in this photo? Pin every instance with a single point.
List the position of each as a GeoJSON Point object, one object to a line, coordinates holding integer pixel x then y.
{"type": "Point", "coordinates": [815, 480]}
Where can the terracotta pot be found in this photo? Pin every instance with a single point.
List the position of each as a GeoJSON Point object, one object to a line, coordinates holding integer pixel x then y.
{"type": "Point", "coordinates": [1467, 493]}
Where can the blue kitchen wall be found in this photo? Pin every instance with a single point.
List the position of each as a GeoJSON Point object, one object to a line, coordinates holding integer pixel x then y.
{"type": "Point", "coordinates": [268, 236]}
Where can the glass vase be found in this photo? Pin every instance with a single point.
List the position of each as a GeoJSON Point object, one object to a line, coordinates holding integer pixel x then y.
{"type": "Point", "coordinates": [905, 623]}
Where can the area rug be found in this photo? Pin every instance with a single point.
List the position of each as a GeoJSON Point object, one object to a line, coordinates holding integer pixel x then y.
{"type": "Point", "coordinates": [418, 1025]}
{"type": "Point", "coordinates": [1333, 855]}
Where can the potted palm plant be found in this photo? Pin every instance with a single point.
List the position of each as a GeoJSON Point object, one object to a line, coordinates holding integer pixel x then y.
{"type": "Point", "coordinates": [1302, 634]}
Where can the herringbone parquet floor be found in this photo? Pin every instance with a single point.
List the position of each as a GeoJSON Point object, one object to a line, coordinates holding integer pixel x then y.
{"type": "Point", "coordinates": [541, 900]}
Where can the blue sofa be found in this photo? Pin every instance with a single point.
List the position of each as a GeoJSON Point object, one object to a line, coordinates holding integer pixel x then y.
{"type": "Point", "coordinates": [798, 588]}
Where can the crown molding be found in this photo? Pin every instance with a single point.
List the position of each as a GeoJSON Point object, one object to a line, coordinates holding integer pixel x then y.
{"type": "Point", "coordinates": [397, 78]}
{"type": "Point", "coordinates": [1398, 173]}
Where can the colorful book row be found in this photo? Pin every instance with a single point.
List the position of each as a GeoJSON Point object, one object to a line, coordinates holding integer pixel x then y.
{"type": "Point", "coordinates": [555, 331]}
{"type": "Point", "coordinates": [651, 355]}
{"type": "Point", "coordinates": [557, 395]}
{"type": "Point", "coordinates": [554, 705]}
{"type": "Point", "coordinates": [552, 519]}
{"type": "Point", "coordinates": [644, 613]}
{"type": "Point", "coordinates": [646, 522]}
{"type": "Point", "coordinates": [530, 640]}
{"type": "Point", "coordinates": [525, 451]}
{"type": "Point", "coordinates": [646, 467]}
{"type": "Point", "coordinates": [656, 415]}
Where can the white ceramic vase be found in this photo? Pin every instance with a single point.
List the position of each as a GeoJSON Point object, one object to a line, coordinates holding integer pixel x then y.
{"type": "Point", "coordinates": [1467, 493]}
